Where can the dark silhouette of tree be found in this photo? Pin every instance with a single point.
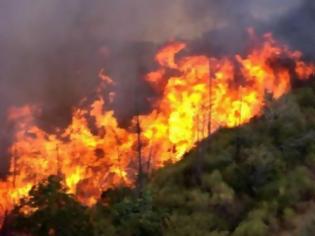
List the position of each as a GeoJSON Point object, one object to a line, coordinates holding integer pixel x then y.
{"type": "Point", "coordinates": [140, 176]}
{"type": "Point", "coordinates": [5, 231]}
{"type": "Point", "coordinates": [52, 212]}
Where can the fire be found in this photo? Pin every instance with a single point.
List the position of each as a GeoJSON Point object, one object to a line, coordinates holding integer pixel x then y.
{"type": "Point", "coordinates": [203, 95]}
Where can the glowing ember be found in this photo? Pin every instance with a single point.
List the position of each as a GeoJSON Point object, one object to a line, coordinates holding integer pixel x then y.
{"type": "Point", "coordinates": [204, 95]}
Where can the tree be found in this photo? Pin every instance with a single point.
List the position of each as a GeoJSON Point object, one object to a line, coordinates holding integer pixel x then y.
{"type": "Point", "coordinates": [253, 227]}
{"type": "Point", "coordinates": [52, 212]}
{"type": "Point", "coordinates": [137, 216]}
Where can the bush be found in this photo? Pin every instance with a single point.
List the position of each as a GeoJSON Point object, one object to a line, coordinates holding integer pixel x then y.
{"type": "Point", "coordinates": [53, 212]}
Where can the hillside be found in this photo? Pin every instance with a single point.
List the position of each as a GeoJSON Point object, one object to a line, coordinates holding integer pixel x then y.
{"type": "Point", "coordinates": [255, 180]}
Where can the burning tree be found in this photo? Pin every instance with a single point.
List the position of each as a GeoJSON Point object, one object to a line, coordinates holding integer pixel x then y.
{"type": "Point", "coordinates": [95, 161]}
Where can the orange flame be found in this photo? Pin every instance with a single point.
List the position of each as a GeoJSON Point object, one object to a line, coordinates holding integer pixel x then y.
{"type": "Point", "coordinates": [204, 95]}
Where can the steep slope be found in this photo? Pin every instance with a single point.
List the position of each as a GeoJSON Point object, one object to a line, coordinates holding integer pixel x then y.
{"type": "Point", "coordinates": [254, 180]}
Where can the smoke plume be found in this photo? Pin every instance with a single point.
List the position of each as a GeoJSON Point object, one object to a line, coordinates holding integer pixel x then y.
{"type": "Point", "coordinates": [52, 51]}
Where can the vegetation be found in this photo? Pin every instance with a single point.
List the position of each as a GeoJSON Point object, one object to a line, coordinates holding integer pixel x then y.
{"type": "Point", "coordinates": [256, 180]}
{"type": "Point", "coordinates": [52, 212]}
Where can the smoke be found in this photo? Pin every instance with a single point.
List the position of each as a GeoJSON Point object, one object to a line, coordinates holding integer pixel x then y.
{"type": "Point", "coordinates": [51, 51]}
{"type": "Point", "coordinates": [296, 27]}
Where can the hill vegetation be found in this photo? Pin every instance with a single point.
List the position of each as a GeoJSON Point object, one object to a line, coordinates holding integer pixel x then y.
{"type": "Point", "coordinates": [254, 180]}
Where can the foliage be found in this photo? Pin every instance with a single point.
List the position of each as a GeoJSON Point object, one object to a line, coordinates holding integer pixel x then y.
{"type": "Point", "coordinates": [263, 191]}
{"type": "Point", "coordinates": [53, 212]}
{"type": "Point", "coordinates": [256, 180]}
{"type": "Point", "coordinates": [137, 216]}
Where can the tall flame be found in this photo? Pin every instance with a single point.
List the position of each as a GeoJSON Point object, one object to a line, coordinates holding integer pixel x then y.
{"type": "Point", "coordinates": [202, 95]}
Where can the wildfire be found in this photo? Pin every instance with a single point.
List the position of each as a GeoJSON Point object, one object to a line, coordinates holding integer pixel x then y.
{"type": "Point", "coordinates": [203, 95]}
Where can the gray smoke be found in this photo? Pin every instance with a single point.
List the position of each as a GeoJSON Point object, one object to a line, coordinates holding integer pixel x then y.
{"type": "Point", "coordinates": [52, 51]}
{"type": "Point", "coordinates": [297, 28]}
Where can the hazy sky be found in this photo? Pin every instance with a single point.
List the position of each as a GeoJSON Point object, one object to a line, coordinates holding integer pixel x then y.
{"type": "Point", "coordinates": [49, 49]}
{"type": "Point", "coordinates": [34, 21]}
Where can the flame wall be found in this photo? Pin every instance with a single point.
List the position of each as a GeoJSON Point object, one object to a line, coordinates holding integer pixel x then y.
{"type": "Point", "coordinates": [199, 94]}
